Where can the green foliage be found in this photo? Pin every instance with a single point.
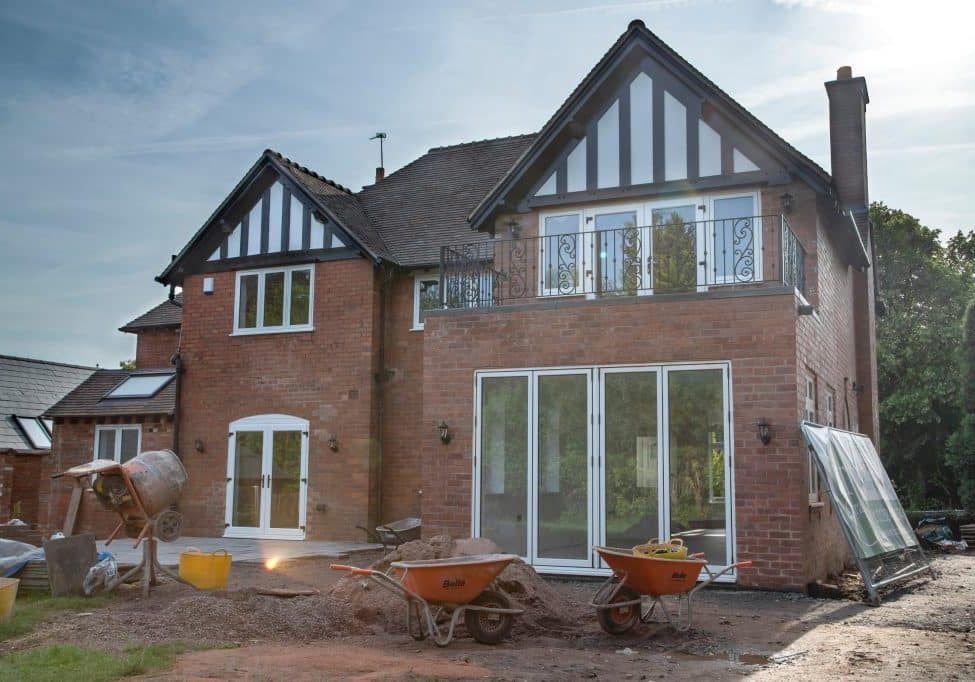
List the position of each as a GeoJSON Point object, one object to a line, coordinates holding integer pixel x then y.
{"type": "Point", "coordinates": [960, 452]}
{"type": "Point", "coordinates": [917, 353]}
{"type": "Point", "coordinates": [126, 364]}
{"type": "Point", "coordinates": [57, 662]}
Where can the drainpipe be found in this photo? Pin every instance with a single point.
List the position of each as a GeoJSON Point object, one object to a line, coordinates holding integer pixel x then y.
{"type": "Point", "coordinates": [387, 276]}
{"type": "Point", "coordinates": [177, 361]}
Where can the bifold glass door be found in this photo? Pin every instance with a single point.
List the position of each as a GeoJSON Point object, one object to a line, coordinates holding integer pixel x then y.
{"type": "Point", "coordinates": [566, 459]}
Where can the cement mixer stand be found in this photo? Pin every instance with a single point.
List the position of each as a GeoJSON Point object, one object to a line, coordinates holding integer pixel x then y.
{"type": "Point", "coordinates": [136, 491]}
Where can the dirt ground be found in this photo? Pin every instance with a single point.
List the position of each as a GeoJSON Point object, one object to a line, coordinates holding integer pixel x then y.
{"type": "Point", "coordinates": [346, 632]}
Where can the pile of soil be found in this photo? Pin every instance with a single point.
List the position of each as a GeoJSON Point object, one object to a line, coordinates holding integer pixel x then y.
{"type": "Point", "coordinates": [373, 607]}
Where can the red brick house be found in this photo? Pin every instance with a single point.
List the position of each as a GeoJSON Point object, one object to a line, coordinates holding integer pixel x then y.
{"type": "Point", "coordinates": [28, 387]}
{"type": "Point", "coordinates": [599, 333]}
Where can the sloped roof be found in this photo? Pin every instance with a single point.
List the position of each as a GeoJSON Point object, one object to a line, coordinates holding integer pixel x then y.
{"type": "Point", "coordinates": [166, 314]}
{"type": "Point", "coordinates": [28, 388]}
{"type": "Point", "coordinates": [88, 399]}
{"type": "Point", "coordinates": [425, 204]}
{"type": "Point", "coordinates": [637, 33]}
{"type": "Point", "coordinates": [339, 200]}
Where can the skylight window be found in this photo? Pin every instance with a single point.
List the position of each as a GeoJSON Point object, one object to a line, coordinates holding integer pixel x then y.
{"type": "Point", "coordinates": [140, 386]}
{"type": "Point", "coordinates": [37, 434]}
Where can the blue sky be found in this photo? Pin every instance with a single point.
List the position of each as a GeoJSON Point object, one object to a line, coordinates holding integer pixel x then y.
{"type": "Point", "coordinates": [124, 124]}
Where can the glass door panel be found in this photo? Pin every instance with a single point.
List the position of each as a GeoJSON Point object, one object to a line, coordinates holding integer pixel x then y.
{"type": "Point", "coordinates": [285, 483]}
{"type": "Point", "coordinates": [675, 248]}
{"type": "Point", "coordinates": [565, 259]}
{"type": "Point", "coordinates": [733, 241]}
{"type": "Point", "coordinates": [620, 251]}
{"type": "Point", "coordinates": [504, 462]}
{"type": "Point", "coordinates": [631, 455]}
{"type": "Point", "coordinates": [248, 479]}
{"type": "Point", "coordinates": [696, 463]}
{"type": "Point", "coordinates": [562, 471]}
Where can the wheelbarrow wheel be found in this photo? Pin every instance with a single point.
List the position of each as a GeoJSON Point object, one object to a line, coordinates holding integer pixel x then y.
{"type": "Point", "coordinates": [620, 619]}
{"type": "Point", "coordinates": [487, 627]}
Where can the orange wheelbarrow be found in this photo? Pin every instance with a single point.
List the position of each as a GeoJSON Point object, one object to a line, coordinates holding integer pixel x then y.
{"type": "Point", "coordinates": [453, 587]}
{"type": "Point", "coordinates": [639, 582]}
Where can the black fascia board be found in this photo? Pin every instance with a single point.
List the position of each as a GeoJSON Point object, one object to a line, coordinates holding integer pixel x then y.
{"type": "Point", "coordinates": [498, 197]}
{"type": "Point", "coordinates": [173, 274]}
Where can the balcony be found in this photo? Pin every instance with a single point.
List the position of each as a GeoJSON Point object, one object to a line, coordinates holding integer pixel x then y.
{"type": "Point", "coordinates": [671, 257]}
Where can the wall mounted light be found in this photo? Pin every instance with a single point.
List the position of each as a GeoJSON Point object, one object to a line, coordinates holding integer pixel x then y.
{"type": "Point", "coordinates": [333, 443]}
{"type": "Point", "coordinates": [764, 432]}
{"type": "Point", "coordinates": [198, 445]}
{"type": "Point", "coordinates": [786, 202]}
{"type": "Point", "coordinates": [857, 388]}
{"type": "Point", "coordinates": [445, 436]}
{"type": "Point", "coordinates": [515, 228]}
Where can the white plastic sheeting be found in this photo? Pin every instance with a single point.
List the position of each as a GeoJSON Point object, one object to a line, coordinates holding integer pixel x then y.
{"type": "Point", "coordinates": [861, 491]}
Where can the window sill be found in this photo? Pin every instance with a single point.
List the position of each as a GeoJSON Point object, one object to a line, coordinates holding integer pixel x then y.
{"type": "Point", "coordinates": [415, 328]}
{"type": "Point", "coordinates": [261, 332]}
{"type": "Point", "coordinates": [816, 504]}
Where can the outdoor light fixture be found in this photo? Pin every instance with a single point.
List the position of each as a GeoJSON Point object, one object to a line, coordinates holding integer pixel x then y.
{"type": "Point", "coordinates": [764, 434]}
{"type": "Point", "coordinates": [445, 436]}
{"type": "Point", "coordinates": [785, 202]}
{"type": "Point", "coordinates": [515, 228]}
{"type": "Point", "coordinates": [198, 445]}
{"type": "Point", "coordinates": [333, 443]}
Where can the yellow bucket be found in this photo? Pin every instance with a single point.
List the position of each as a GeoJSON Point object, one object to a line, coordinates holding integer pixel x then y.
{"type": "Point", "coordinates": [671, 549]}
{"type": "Point", "coordinates": [205, 570]}
{"type": "Point", "coordinates": [8, 593]}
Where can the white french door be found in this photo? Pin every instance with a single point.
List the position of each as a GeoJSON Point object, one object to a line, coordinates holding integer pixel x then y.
{"type": "Point", "coordinates": [267, 477]}
{"type": "Point", "coordinates": [569, 458]}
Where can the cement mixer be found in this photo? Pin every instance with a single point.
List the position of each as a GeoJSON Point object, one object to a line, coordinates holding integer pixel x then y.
{"type": "Point", "coordinates": [141, 491]}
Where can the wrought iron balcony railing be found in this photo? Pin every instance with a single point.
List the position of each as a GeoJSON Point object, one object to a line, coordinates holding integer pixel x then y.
{"type": "Point", "coordinates": [670, 257]}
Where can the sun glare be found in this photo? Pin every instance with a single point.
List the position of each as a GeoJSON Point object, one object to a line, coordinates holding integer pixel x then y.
{"type": "Point", "coordinates": [272, 563]}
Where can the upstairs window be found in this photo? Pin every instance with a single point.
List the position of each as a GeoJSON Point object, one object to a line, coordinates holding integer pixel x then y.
{"type": "Point", "coordinates": [426, 296]}
{"type": "Point", "coordinates": [274, 300]}
{"type": "Point", "coordinates": [809, 415]}
{"type": "Point", "coordinates": [117, 443]}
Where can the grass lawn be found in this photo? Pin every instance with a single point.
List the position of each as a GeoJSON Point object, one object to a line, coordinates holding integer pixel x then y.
{"type": "Point", "coordinates": [59, 662]}
{"type": "Point", "coordinates": [32, 609]}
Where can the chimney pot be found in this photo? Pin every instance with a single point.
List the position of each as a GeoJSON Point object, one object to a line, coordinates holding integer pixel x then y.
{"type": "Point", "coordinates": [380, 173]}
{"type": "Point", "coordinates": [844, 73]}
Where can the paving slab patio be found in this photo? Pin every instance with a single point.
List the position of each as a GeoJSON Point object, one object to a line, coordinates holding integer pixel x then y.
{"type": "Point", "coordinates": [243, 550]}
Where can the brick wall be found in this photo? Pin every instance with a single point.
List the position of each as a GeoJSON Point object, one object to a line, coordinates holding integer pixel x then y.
{"type": "Point", "coordinates": [154, 347]}
{"type": "Point", "coordinates": [756, 334]}
{"type": "Point", "coordinates": [74, 444]}
{"type": "Point", "coordinates": [19, 483]}
{"type": "Point", "coordinates": [325, 376]}
{"type": "Point", "coordinates": [403, 424]}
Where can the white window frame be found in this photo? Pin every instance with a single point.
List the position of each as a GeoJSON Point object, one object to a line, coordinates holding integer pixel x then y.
{"type": "Point", "coordinates": [704, 239]}
{"type": "Point", "coordinates": [286, 327]}
{"type": "Point", "coordinates": [418, 279]}
{"type": "Point", "coordinates": [809, 415]}
{"type": "Point", "coordinates": [585, 283]}
{"type": "Point", "coordinates": [117, 428]}
{"type": "Point", "coordinates": [756, 235]}
{"type": "Point", "coordinates": [596, 446]}
{"type": "Point", "coordinates": [830, 407]}
{"type": "Point", "coordinates": [267, 424]}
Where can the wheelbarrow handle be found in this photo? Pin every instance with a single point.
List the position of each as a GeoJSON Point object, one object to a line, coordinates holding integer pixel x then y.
{"type": "Point", "coordinates": [740, 564]}
{"type": "Point", "coordinates": [354, 570]}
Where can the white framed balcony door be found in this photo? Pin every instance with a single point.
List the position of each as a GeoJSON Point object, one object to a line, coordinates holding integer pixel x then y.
{"type": "Point", "coordinates": [570, 458]}
{"type": "Point", "coordinates": [267, 477]}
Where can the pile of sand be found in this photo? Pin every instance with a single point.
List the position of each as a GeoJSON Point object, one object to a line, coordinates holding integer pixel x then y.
{"type": "Point", "coordinates": [371, 606]}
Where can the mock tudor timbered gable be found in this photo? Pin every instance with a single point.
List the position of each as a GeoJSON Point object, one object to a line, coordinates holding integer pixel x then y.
{"type": "Point", "coordinates": [645, 123]}
{"type": "Point", "coordinates": [279, 214]}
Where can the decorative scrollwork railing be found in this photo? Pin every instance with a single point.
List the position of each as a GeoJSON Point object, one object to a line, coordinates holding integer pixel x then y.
{"type": "Point", "coordinates": [673, 256]}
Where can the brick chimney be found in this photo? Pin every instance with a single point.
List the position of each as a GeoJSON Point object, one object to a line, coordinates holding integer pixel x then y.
{"type": "Point", "coordinates": [848, 137]}
{"type": "Point", "coordinates": [380, 173]}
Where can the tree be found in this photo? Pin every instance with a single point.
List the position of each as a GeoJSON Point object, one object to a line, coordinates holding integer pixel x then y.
{"type": "Point", "coordinates": [960, 453]}
{"type": "Point", "coordinates": [126, 364]}
{"type": "Point", "coordinates": [918, 339]}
